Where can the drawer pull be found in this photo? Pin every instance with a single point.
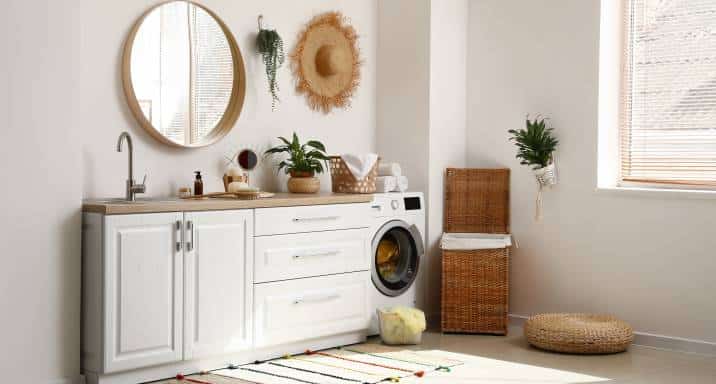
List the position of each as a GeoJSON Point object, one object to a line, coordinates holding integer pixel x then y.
{"type": "Point", "coordinates": [316, 299]}
{"type": "Point", "coordinates": [323, 218]}
{"type": "Point", "coordinates": [316, 254]}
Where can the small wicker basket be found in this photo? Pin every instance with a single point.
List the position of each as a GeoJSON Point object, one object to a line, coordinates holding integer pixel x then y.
{"type": "Point", "coordinates": [343, 181]}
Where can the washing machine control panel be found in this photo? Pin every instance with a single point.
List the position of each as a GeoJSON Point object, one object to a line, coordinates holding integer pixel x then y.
{"type": "Point", "coordinates": [387, 206]}
{"type": "Point", "coordinates": [394, 204]}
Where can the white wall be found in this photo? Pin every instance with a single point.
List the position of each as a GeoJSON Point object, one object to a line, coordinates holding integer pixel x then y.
{"type": "Point", "coordinates": [647, 259]}
{"type": "Point", "coordinates": [448, 60]}
{"type": "Point", "coordinates": [105, 115]}
{"type": "Point", "coordinates": [61, 110]}
{"type": "Point", "coordinates": [403, 90]}
{"type": "Point", "coordinates": [421, 107]}
{"type": "Point", "coordinates": [40, 164]}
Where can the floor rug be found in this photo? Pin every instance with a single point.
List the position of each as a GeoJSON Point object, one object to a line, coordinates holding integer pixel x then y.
{"type": "Point", "coordinates": [368, 364]}
{"type": "Point", "coordinates": [355, 364]}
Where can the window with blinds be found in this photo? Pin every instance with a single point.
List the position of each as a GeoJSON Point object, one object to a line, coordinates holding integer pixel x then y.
{"type": "Point", "coordinates": [668, 116]}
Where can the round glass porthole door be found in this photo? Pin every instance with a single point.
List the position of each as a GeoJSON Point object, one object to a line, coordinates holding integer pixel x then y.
{"type": "Point", "coordinates": [397, 249]}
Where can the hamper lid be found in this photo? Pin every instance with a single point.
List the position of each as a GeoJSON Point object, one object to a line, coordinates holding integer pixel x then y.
{"type": "Point", "coordinates": [477, 200]}
{"type": "Point", "coordinates": [469, 241]}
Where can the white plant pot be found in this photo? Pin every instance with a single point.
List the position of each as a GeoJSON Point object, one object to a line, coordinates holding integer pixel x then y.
{"type": "Point", "coordinates": [547, 176]}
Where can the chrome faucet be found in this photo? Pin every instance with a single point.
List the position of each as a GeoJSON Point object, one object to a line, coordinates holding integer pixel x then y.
{"type": "Point", "coordinates": [132, 188]}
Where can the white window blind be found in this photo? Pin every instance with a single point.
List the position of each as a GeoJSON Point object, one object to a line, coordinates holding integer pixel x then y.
{"type": "Point", "coordinates": [668, 117]}
{"type": "Point", "coordinates": [212, 75]}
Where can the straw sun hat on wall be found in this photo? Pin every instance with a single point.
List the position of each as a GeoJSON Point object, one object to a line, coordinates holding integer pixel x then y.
{"type": "Point", "coordinates": [326, 62]}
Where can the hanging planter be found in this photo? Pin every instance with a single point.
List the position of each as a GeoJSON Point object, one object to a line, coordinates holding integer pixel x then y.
{"type": "Point", "coordinates": [270, 46]}
{"type": "Point", "coordinates": [535, 148]}
{"type": "Point", "coordinates": [546, 176]}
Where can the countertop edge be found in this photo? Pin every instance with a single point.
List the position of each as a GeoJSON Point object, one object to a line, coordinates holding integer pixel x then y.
{"type": "Point", "coordinates": [175, 205]}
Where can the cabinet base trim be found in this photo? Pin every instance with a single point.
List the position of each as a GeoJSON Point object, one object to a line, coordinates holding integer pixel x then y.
{"type": "Point", "coordinates": [187, 367]}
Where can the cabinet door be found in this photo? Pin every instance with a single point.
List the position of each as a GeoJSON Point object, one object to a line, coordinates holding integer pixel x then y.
{"type": "Point", "coordinates": [143, 291]}
{"type": "Point", "coordinates": [218, 276]}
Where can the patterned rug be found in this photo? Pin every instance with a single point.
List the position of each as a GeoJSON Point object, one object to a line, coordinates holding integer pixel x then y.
{"type": "Point", "coordinates": [355, 364]}
{"type": "Point", "coordinates": [371, 363]}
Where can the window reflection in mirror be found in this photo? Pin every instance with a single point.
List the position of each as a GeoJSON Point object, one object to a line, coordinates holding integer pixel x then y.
{"type": "Point", "coordinates": [182, 71]}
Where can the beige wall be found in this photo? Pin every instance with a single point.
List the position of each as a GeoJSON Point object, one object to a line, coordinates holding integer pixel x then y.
{"type": "Point", "coordinates": [40, 163]}
{"type": "Point", "coordinates": [448, 60]}
{"type": "Point", "coordinates": [403, 94]}
{"type": "Point", "coordinates": [421, 107]}
{"type": "Point", "coordinates": [105, 25]}
{"type": "Point", "coordinates": [648, 259]}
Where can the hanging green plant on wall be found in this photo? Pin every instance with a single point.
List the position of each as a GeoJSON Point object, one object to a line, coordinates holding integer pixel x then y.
{"type": "Point", "coordinates": [270, 46]}
{"type": "Point", "coordinates": [535, 144]}
{"type": "Point", "coordinates": [535, 148]}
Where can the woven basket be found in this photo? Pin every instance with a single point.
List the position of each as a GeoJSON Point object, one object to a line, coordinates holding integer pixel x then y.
{"type": "Point", "coordinates": [578, 333]}
{"type": "Point", "coordinates": [477, 201]}
{"type": "Point", "coordinates": [475, 283]}
{"type": "Point", "coordinates": [475, 291]}
{"type": "Point", "coordinates": [343, 181]}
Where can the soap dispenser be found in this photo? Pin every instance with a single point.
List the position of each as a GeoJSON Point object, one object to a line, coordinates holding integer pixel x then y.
{"type": "Point", "coordinates": [198, 184]}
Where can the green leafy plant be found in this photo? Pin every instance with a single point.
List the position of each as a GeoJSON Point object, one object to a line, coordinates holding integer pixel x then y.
{"type": "Point", "coordinates": [535, 143]}
{"type": "Point", "coordinates": [270, 46]}
{"type": "Point", "coordinates": [303, 159]}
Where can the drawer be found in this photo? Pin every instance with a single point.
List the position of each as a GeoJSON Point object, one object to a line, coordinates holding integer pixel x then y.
{"type": "Point", "coordinates": [303, 309]}
{"type": "Point", "coordinates": [276, 221]}
{"type": "Point", "coordinates": [283, 257]}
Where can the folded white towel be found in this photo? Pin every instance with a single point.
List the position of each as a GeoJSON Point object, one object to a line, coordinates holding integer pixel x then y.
{"type": "Point", "coordinates": [389, 169]}
{"type": "Point", "coordinates": [402, 184]}
{"type": "Point", "coordinates": [360, 165]}
{"type": "Point", "coordinates": [385, 184]}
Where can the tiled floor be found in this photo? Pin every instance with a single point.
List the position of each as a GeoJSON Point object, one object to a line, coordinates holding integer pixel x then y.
{"type": "Point", "coordinates": [640, 365]}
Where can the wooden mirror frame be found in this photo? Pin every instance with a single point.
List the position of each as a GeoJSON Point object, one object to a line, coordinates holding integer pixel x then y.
{"type": "Point", "coordinates": [238, 92]}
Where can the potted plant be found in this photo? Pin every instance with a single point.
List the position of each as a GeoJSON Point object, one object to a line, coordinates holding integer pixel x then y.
{"type": "Point", "coordinates": [303, 163]}
{"type": "Point", "coordinates": [535, 148]}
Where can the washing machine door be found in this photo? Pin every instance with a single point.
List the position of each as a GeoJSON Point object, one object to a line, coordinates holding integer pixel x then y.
{"type": "Point", "coordinates": [397, 250]}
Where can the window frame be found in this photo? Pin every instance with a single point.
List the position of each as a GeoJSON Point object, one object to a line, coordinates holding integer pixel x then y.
{"type": "Point", "coordinates": [613, 56]}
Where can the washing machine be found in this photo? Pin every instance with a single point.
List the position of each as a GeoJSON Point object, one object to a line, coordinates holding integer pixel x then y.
{"type": "Point", "coordinates": [398, 245]}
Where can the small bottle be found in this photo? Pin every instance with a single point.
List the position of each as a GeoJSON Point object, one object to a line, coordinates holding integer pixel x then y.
{"type": "Point", "coordinates": [198, 184]}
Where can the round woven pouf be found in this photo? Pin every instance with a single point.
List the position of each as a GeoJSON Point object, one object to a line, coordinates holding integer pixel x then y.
{"type": "Point", "coordinates": [578, 333]}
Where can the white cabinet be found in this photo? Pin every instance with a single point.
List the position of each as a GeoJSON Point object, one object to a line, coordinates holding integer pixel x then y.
{"type": "Point", "coordinates": [165, 287]}
{"type": "Point", "coordinates": [165, 291]}
{"type": "Point", "coordinates": [284, 257]}
{"type": "Point", "coordinates": [305, 309]}
{"type": "Point", "coordinates": [143, 291]}
{"type": "Point", "coordinates": [218, 282]}
{"type": "Point", "coordinates": [311, 218]}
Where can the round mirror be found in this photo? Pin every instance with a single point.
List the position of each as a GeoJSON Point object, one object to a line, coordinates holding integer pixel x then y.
{"type": "Point", "coordinates": [248, 159]}
{"type": "Point", "coordinates": [183, 74]}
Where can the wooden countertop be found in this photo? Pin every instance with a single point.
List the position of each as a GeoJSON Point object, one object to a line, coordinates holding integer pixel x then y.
{"type": "Point", "coordinates": [120, 207]}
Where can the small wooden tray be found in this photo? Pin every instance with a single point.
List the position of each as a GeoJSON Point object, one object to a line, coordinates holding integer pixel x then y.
{"type": "Point", "coordinates": [247, 195]}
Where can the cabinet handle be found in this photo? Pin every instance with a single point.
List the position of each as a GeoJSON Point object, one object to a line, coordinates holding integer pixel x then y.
{"type": "Point", "coordinates": [178, 235]}
{"type": "Point", "coordinates": [316, 254]}
{"type": "Point", "coordinates": [190, 243]}
{"type": "Point", "coordinates": [316, 299]}
{"type": "Point", "coordinates": [323, 218]}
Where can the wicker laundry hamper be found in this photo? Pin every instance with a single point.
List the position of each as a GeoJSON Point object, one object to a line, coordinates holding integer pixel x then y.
{"type": "Point", "coordinates": [475, 282]}
{"type": "Point", "coordinates": [343, 181]}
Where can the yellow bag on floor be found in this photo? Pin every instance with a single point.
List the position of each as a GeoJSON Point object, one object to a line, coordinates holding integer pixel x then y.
{"type": "Point", "coordinates": [401, 325]}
